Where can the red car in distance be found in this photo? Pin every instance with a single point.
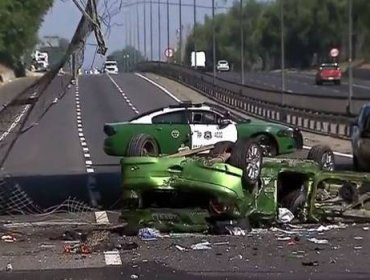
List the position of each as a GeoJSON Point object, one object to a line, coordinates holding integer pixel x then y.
{"type": "Point", "coordinates": [329, 72]}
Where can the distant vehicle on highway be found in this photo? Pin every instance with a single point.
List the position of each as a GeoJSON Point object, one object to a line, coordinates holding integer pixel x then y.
{"type": "Point", "coordinates": [223, 65]}
{"type": "Point", "coordinates": [110, 67]}
{"type": "Point", "coordinates": [187, 125]}
{"type": "Point", "coordinates": [361, 140]}
{"type": "Point", "coordinates": [201, 60]}
{"type": "Point", "coordinates": [329, 72]}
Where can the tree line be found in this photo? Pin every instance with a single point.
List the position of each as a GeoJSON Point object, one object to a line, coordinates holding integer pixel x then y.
{"type": "Point", "coordinates": [312, 28]}
{"type": "Point", "coordinates": [20, 22]}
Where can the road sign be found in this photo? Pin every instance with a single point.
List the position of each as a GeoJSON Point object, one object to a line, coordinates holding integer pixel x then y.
{"type": "Point", "coordinates": [334, 52]}
{"type": "Point", "coordinates": [168, 52]}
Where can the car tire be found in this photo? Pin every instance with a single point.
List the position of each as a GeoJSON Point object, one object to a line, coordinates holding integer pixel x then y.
{"type": "Point", "coordinates": [247, 155]}
{"type": "Point", "coordinates": [337, 83]}
{"type": "Point", "coordinates": [324, 156]}
{"type": "Point", "coordinates": [270, 149]}
{"type": "Point", "coordinates": [142, 145]}
{"type": "Point", "coordinates": [319, 83]}
{"type": "Point", "coordinates": [221, 148]}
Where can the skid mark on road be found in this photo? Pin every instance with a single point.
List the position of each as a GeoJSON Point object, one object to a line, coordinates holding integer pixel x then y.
{"type": "Point", "coordinates": [127, 100]}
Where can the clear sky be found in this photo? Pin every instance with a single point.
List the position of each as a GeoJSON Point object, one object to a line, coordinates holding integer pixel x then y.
{"type": "Point", "coordinates": [63, 18]}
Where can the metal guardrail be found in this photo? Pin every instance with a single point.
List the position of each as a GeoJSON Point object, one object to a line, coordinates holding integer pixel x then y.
{"type": "Point", "coordinates": [241, 99]}
{"type": "Point", "coordinates": [325, 103]}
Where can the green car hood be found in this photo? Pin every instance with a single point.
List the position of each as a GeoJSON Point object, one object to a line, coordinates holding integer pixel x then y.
{"type": "Point", "coordinates": [261, 124]}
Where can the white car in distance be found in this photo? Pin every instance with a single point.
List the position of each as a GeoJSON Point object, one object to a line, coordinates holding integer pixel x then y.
{"type": "Point", "coordinates": [110, 67]}
{"type": "Point", "coordinates": [223, 65]}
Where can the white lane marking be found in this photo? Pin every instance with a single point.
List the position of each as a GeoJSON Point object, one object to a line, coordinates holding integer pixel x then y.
{"type": "Point", "coordinates": [304, 147]}
{"type": "Point", "coordinates": [111, 257]}
{"type": "Point", "coordinates": [16, 120]}
{"type": "Point", "coordinates": [84, 146]}
{"type": "Point", "coordinates": [160, 87]}
{"type": "Point", "coordinates": [127, 100]}
{"type": "Point", "coordinates": [335, 153]}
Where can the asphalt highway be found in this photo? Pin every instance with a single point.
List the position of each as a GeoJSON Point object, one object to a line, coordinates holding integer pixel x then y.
{"type": "Point", "coordinates": [64, 151]}
{"type": "Point", "coordinates": [62, 156]}
{"type": "Point", "coordinates": [298, 83]}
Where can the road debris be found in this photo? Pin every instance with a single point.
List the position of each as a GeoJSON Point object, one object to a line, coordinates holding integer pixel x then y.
{"type": "Point", "coordinates": [77, 249]}
{"type": "Point", "coordinates": [8, 238]}
{"type": "Point", "coordinates": [285, 215]}
{"type": "Point", "coordinates": [148, 234]}
{"type": "Point", "coordinates": [237, 231]}
{"type": "Point", "coordinates": [310, 263]}
{"type": "Point", "coordinates": [9, 267]}
{"type": "Point", "coordinates": [127, 246]}
{"type": "Point", "coordinates": [318, 241]}
{"type": "Point", "coordinates": [201, 246]}
{"type": "Point", "coordinates": [134, 276]}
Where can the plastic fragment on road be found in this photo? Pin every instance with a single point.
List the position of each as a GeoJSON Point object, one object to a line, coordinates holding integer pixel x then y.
{"type": "Point", "coordinates": [148, 234]}
{"type": "Point", "coordinates": [77, 249]}
{"type": "Point", "coordinates": [365, 228]}
{"type": "Point", "coordinates": [134, 276]}
{"type": "Point", "coordinates": [358, 238]}
{"type": "Point", "coordinates": [285, 216]}
{"type": "Point", "coordinates": [180, 248]}
{"type": "Point", "coordinates": [8, 238]}
{"type": "Point", "coordinates": [9, 267]}
{"type": "Point", "coordinates": [201, 246]}
{"type": "Point", "coordinates": [318, 241]}
{"type": "Point", "coordinates": [237, 231]}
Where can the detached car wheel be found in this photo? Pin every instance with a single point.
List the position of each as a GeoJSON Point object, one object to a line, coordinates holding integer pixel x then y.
{"type": "Point", "coordinates": [247, 155]}
{"type": "Point", "coordinates": [324, 156]}
{"type": "Point", "coordinates": [142, 145]}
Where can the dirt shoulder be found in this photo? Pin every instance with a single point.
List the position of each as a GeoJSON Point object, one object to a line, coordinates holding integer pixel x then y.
{"type": "Point", "coordinates": [184, 93]}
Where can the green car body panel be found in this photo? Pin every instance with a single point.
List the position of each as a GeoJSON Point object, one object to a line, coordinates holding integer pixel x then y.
{"type": "Point", "coordinates": [117, 144]}
{"type": "Point", "coordinates": [222, 182]}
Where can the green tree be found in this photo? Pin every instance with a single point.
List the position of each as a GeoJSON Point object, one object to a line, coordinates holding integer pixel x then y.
{"type": "Point", "coordinates": [312, 28]}
{"type": "Point", "coordinates": [126, 58]}
{"type": "Point", "coordinates": [20, 22]}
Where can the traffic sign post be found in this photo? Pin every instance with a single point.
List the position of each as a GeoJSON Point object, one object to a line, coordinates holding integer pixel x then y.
{"type": "Point", "coordinates": [169, 52]}
{"type": "Point", "coordinates": [334, 52]}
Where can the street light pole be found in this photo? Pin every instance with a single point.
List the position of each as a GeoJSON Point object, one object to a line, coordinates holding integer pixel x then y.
{"type": "Point", "coordinates": [180, 30]}
{"type": "Point", "coordinates": [214, 40]}
{"type": "Point", "coordinates": [168, 26]}
{"type": "Point", "coordinates": [282, 42]}
{"type": "Point", "coordinates": [241, 42]}
{"type": "Point", "coordinates": [159, 31]}
{"type": "Point", "coordinates": [151, 30]}
{"type": "Point", "coordinates": [194, 38]}
{"type": "Point", "coordinates": [350, 74]}
{"type": "Point", "coordinates": [145, 55]}
{"type": "Point", "coordinates": [137, 30]}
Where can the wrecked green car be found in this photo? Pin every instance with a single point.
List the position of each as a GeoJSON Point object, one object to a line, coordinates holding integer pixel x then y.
{"type": "Point", "coordinates": [195, 192]}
